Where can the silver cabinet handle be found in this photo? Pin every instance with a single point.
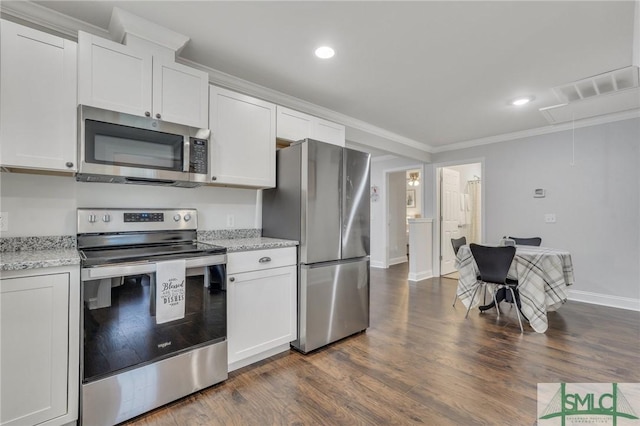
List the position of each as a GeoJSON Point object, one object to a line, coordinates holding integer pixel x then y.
{"type": "Point", "coordinates": [147, 114]}
{"type": "Point", "coordinates": [264, 259]}
{"type": "Point", "coordinates": [69, 164]}
{"type": "Point", "coordinates": [158, 116]}
{"type": "Point", "coordinates": [213, 178]}
{"type": "Point", "coordinates": [232, 279]}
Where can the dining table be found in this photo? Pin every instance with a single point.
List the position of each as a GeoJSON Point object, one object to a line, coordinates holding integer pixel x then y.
{"type": "Point", "coordinates": [544, 275]}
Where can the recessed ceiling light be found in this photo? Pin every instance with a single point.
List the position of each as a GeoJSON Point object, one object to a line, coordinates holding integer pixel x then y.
{"type": "Point", "coordinates": [522, 101]}
{"type": "Point", "coordinates": [325, 52]}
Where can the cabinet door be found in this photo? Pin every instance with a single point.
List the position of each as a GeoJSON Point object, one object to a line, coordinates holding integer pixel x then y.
{"type": "Point", "coordinates": [294, 125]}
{"type": "Point", "coordinates": [327, 131]}
{"type": "Point", "coordinates": [180, 94]}
{"type": "Point", "coordinates": [261, 311]}
{"type": "Point", "coordinates": [38, 103]}
{"type": "Point", "coordinates": [113, 76]}
{"type": "Point", "coordinates": [243, 139]}
{"type": "Point", "coordinates": [34, 313]}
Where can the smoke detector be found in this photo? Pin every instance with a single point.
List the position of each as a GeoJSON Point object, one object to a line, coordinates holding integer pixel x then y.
{"type": "Point", "coordinates": [607, 93]}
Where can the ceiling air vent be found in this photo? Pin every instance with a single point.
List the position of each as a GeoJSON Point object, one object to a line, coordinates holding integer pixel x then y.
{"type": "Point", "coordinates": [602, 94]}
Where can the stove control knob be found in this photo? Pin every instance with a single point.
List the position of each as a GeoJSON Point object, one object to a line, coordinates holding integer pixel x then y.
{"type": "Point", "coordinates": [92, 218]}
{"type": "Point", "coordinates": [106, 218]}
{"type": "Point", "coordinates": [176, 217]}
{"type": "Point", "coordinates": [187, 217]}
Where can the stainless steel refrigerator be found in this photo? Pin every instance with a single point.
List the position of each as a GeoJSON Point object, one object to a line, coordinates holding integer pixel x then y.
{"type": "Point", "coordinates": [322, 200]}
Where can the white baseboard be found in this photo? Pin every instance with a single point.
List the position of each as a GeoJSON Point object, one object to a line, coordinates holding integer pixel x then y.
{"type": "Point", "coordinates": [398, 260]}
{"type": "Point", "coordinates": [419, 276]}
{"type": "Point", "coordinates": [605, 300]}
{"type": "Point", "coordinates": [258, 357]}
{"type": "Point", "coordinates": [376, 264]}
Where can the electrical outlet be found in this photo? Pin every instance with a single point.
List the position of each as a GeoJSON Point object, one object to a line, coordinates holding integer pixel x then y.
{"type": "Point", "coordinates": [4, 221]}
{"type": "Point", "coordinates": [231, 221]}
{"type": "Point", "coordinates": [550, 218]}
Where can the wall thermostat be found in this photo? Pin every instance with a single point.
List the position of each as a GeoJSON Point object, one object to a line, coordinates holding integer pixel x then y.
{"type": "Point", "coordinates": [538, 193]}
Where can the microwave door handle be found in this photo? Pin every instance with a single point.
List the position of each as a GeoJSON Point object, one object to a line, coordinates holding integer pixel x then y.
{"type": "Point", "coordinates": [186, 154]}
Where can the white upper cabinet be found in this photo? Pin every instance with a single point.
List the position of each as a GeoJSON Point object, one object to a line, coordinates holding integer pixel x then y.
{"type": "Point", "coordinates": [122, 78]}
{"type": "Point", "coordinates": [38, 103]}
{"type": "Point", "coordinates": [328, 131]}
{"type": "Point", "coordinates": [181, 94]}
{"type": "Point", "coordinates": [295, 125]}
{"type": "Point", "coordinates": [243, 140]}
{"type": "Point", "coordinates": [114, 77]}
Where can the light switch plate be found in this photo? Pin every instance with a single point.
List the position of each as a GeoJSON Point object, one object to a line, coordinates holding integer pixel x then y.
{"type": "Point", "coordinates": [550, 218]}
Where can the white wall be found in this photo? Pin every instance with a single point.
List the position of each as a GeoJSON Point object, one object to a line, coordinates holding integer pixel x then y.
{"type": "Point", "coordinates": [596, 202]}
{"type": "Point", "coordinates": [40, 205]}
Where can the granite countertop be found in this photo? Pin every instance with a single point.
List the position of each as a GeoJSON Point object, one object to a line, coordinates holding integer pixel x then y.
{"type": "Point", "coordinates": [43, 252]}
{"type": "Point", "coordinates": [32, 259]}
{"type": "Point", "coordinates": [246, 244]}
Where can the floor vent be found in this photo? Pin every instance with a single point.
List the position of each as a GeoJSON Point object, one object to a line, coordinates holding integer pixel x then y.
{"type": "Point", "coordinates": [607, 93]}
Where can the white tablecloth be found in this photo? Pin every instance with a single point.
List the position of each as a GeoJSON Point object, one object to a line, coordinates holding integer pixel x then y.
{"type": "Point", "coordinates": [543, 276]}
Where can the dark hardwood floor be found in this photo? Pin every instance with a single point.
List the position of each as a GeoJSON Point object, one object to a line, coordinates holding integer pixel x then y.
{"type": "Point", "coordinates": [422, 362]}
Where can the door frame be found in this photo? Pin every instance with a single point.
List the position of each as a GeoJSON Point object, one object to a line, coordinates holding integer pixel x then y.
{"type": "Point", "coordinates": [437, 177]}
{"type": "Point", "coordinates": [385, 211]}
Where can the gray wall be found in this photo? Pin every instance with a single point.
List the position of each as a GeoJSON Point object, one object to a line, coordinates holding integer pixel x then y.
{"type": "Point", "coordinates": [595, 199]}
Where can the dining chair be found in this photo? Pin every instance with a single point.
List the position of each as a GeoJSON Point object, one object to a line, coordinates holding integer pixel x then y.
{"type": "Point", "coordinates": [534, 241]}
{"type": "Point", "coordinates": [457, 243]}
{"type": "Point", "coordinates": [493, 266]}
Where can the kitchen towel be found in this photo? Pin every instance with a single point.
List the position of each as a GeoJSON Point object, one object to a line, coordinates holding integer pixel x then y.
{"type": "Point", "coordinates": [170, 290]}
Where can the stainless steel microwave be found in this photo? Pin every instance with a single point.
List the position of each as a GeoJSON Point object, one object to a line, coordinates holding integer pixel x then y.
{"type": "Point", "coordinates": [121, 148]}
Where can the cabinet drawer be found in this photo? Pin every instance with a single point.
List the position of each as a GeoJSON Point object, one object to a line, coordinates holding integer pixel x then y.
{"type": "Point", "coordinates": [257, 260]}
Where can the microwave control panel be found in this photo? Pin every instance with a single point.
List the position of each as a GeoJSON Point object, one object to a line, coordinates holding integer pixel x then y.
{"type": "Point", "coordinates": [199, 156]}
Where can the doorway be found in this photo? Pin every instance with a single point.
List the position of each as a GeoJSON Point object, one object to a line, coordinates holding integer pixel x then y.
{"type": "Point", "coordinates": [460, 210]}
{"type": "Point", "coordinates": [404, 195]}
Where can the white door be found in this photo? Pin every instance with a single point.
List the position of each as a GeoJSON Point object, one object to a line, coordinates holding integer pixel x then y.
{"type": "Point", "coordinates": [450, 210]}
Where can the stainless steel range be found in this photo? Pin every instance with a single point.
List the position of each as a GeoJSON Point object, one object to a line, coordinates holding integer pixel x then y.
{"type": "Point", "coordinates": [154, 311]}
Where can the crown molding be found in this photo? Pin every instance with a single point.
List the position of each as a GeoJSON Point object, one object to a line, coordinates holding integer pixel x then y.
{"type": "Point", "coordinates": [50, 19]}
{"type": "Point", "coordinates": [587, 122]}
{"type": "Point", "coordinates": [69, 26]}
{"type": "Point", "coordinates": [237, 84]}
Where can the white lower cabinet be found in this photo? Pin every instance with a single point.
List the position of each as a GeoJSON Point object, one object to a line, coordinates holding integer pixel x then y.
{"type": "Point", "coordinates": [261, 305]}
{"type": "Point", "coordinates": [39, 316]}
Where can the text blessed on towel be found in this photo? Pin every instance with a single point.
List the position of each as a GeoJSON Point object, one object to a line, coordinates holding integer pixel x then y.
{"type": "Point", "coordinates": [170, 290]}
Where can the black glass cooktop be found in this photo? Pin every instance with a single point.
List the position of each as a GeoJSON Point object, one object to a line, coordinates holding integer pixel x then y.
{"type": "Point", "coordinates": [147, 253]}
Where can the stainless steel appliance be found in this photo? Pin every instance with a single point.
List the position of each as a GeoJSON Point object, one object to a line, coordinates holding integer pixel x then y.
{"type": "Point", "coordinates": [130, 363]}
{"type": "Point", "coordinates": [322, 200]}
{"type": "Point", "coordinates": [122, 148]}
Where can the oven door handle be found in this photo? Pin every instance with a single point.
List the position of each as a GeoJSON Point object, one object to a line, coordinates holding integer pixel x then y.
{"type": "Point", "coordinates": [138, 268]}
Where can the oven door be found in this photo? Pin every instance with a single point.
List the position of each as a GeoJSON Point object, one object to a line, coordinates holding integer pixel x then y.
{"type": "Point", "coordinates": [118, 319]}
